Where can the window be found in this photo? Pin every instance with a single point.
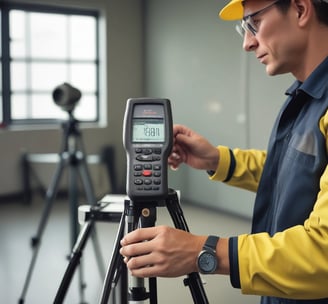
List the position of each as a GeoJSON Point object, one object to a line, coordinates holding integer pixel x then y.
{"type": "Point", "coordinates": [43, 47]}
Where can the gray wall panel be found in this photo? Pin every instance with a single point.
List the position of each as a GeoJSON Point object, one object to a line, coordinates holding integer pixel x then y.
{"type": "Point", "coordinates": [197, 61]}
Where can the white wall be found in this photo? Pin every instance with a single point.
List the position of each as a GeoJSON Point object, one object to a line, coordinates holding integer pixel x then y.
{"type": "Point", "coordinates": [197, 61]}
{"type": "Point", "coordinates": [122, 65]}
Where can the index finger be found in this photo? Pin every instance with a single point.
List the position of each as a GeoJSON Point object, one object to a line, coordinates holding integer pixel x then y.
{"type": "Point", "coordinates": [139, 235]}
{"type": "Point", "coordinates": [178, 129]}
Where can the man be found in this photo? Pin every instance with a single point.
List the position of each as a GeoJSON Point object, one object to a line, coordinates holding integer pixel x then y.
{"type": "Point", "coordinates": [285, 258]}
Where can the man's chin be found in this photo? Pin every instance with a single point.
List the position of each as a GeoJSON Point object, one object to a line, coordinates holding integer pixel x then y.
{"type": "Point", "coordinates": [274, 70]}
{"type": "Point", "coordinates": [271, 71]}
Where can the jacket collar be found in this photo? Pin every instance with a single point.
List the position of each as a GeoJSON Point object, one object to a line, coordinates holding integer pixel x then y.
{"type": "Point", "coordinates": [315, 85]}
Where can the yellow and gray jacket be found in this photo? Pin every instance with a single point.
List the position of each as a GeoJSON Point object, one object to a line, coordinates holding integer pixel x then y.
{"type": "Point", "coordinates": [285, 258]}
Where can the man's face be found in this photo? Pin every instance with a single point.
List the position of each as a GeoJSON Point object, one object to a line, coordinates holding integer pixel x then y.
{"type": "Point", "coordinates": [278, 43]}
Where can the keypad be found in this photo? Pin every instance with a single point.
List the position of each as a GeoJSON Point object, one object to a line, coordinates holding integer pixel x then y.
{"type": "Point", "coordinates": [147, 169]}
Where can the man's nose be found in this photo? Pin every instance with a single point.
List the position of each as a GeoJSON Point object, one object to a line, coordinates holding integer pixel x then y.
{"type": "Point", "coordinates": [250, 42]}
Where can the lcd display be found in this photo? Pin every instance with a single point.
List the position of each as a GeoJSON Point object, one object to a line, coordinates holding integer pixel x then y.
{"type": "Point", "coordinates": [148, 130]}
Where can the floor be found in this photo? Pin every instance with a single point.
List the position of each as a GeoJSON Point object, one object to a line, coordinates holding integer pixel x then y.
{"type": "Point", "coordinates": [19, 222]}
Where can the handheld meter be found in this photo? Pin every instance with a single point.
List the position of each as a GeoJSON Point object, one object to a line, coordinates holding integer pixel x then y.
{"type": "Point", "coordinates": [147, 139]}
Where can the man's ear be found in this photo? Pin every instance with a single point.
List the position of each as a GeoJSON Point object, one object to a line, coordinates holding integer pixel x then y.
{"type": "Point", "coordinates": [303, 10]}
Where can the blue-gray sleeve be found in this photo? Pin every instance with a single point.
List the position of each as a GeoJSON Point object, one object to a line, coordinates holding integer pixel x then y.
{"type": "Point", "coordinates": [234, 264]}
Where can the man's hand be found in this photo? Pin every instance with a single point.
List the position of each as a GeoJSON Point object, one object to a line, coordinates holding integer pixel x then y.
{"type": "Point", "coordinates": [192, 149]}
{"type": "Point", "coordinates": [161, 252]}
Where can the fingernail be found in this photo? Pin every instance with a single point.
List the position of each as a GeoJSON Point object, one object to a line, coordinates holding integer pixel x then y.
{"type": "Point", "coordinates": [176, 156]}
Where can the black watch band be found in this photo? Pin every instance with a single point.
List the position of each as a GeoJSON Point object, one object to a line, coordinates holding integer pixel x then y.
{"type": "Point", "coordinates": [211, 242]}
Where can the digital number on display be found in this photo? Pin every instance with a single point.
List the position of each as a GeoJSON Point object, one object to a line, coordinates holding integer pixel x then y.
{"type": "Point", "coordinates": [148, 131]}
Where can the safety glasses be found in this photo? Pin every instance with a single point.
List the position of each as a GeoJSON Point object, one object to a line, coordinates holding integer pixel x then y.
{"type": "Point", "coordinates": [249, 24]}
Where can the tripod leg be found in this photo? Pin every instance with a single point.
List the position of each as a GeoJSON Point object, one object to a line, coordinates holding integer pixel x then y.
{"type": "Point", "coordinates": [78, 165]}
{"type": "Point", "coordinates": [73, 199]}
{"type": "Point", "coordinates": [138, 216]}
{"type": "Point", "coordinates": [193, 280]}
{"type": "Point", "coordinates": [73, 202]}
{"type": "Point", "coordinates": [74, 261]}
{"type": "Point", "coordinates": [86, 180]}
{"type": "Point", "coordinates": [36, 241]}
{"type": "Point", "coordinates": [116, 268]}
{"type": "Point", "coordinates": [148, 219]}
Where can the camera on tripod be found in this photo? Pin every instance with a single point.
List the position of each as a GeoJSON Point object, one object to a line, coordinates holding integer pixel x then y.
{"type": "Point", "coordinates": [71, 156]}
{"type": "Point", "coordinates": [66, 96]}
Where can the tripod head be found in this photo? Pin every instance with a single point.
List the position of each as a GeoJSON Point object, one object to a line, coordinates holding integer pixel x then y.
{"type": "Point", "coordinates": [66, 96]}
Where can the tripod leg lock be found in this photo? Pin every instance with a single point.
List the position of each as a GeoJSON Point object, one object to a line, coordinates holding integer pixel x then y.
{"type": "Point", "coordinates": [35, 241]}
{"type": "Point", "coordinates": [138, 294]}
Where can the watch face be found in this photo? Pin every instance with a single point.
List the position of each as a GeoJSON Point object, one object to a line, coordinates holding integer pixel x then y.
{"type": "Point", "coordinates": [207, 262]}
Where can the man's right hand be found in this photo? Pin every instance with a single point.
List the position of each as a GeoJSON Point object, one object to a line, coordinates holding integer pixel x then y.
{"type": "Point", "coordinates": [192, 149]}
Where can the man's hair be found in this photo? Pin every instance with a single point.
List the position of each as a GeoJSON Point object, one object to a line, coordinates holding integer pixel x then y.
{"type": "Point", "coordinates": [283, 6]}
{"type": "Point", "coordinates": [320, 6]}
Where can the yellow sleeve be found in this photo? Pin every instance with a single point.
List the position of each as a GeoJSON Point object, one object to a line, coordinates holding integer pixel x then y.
{"type": "Point", "coordinates": [247, 167]}
{"type": "Point", "coordinates": [292, 263]}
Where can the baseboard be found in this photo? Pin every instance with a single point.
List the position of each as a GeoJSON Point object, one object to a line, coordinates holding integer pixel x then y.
{"type": "Point", "coordinates": [21, 197]}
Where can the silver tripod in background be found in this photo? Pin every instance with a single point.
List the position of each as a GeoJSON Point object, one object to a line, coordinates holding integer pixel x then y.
{"type": "Point", "coordinates": [71, 156]}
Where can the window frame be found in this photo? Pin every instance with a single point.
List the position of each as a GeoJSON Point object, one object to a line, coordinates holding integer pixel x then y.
{"type": "Point", "coordinates": [6, 59]}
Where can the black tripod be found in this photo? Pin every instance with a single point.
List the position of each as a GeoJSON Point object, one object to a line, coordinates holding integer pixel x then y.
{"type": "Point", "coordinates": [73, 157]}
{"type": "Point", "coordinates": [132, 289]}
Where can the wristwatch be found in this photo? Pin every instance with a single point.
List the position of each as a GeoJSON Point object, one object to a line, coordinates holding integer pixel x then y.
{"type": "Point", "coordinates": [207, 260]}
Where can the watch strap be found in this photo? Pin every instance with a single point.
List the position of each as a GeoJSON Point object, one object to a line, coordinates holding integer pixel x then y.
{"type": "Point", "coordinates": [211, 242]}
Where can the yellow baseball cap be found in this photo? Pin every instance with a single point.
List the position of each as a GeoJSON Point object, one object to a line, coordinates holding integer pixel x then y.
{"type": "Point", "coordinates": [234, 10]}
